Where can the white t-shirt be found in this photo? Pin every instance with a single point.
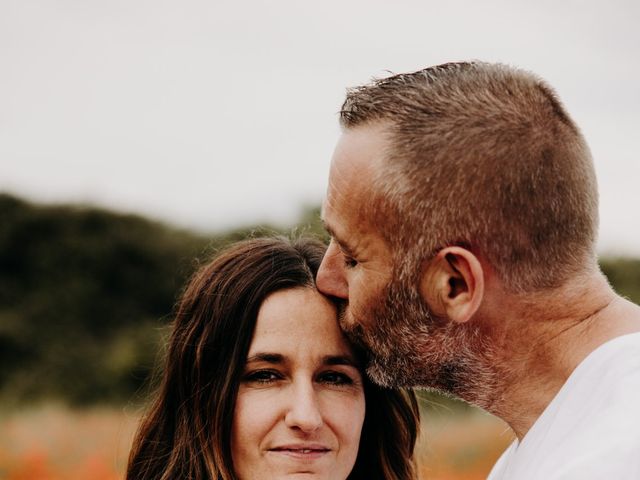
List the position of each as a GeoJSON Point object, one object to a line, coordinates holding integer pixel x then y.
{"type": "Point", "coordinates": [591, 429]}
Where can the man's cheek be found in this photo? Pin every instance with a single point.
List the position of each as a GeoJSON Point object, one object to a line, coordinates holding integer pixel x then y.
{"type": "Point", "coordinates": [368, 294]}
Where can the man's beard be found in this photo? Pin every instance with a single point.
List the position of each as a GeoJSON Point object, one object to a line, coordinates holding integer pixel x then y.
{"type": "Point", "coordinates": [409, 346]}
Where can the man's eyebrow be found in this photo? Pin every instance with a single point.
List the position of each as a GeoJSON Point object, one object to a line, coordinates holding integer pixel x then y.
{"type": "Point", "coordinates": [327, 227]}
{"type": "Point", "coordinates": [343, 246]}
{"type": "Point", "coordinates": [266, 357]}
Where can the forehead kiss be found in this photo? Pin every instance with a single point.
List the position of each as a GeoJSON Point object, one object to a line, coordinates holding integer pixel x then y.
{"type": "Point", "coordinates": [358, 262]}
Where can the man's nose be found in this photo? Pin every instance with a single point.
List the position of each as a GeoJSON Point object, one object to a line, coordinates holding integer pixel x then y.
{"type": "Point", "coordinates": [304, 411]}
{"type": "Point", "coordinates": [330, 279]}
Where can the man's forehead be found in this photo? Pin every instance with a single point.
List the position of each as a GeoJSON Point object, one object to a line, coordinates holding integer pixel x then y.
{"type": "Point", "coordinates": [357, 157]}
{"type": "Point", "coordinates": [360, 149]}
{"type": "Point", "coordinates": [337, 219]}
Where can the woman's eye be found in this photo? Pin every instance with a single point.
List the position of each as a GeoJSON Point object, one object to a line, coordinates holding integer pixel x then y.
{"type": "Point", "coordinates": [336, 378]}
{"type": "Point", "coordinates": [262, 376]}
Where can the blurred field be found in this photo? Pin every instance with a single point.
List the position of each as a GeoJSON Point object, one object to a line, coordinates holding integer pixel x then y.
{"type": "Point", "coordinates": [460, 446]}
{"type": "Point", "coordinates": [56, 443]}
{"type": "Point", "coordinates": [86, 297]}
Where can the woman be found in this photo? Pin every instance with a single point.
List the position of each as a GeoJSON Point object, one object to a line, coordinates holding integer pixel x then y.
{"type": "Point", "coordinates": [259, 382]}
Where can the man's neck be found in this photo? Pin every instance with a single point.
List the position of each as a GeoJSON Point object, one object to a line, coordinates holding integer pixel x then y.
{"type": "Point", "coordinates": [545, 338]}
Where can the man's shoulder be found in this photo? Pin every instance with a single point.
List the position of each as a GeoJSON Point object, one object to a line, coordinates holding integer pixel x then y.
{"type": "Point", "coordinates": [605, 448]}
{"type": "Point", "coordinates": [597, 404]}
{"type": "Point", "coordinates": [608, 374]}
{"type": "Point", "coordinates": [589, 430]}
{"type": "Point", "coordinates": [617, 459]}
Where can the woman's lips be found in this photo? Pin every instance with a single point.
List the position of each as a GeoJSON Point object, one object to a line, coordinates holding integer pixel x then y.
{"type": "Point", "coordinates": [301, 451]}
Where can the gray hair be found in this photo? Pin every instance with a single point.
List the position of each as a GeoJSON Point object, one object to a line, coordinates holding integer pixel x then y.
{"type": "Point", "coordinates": [483, 156]}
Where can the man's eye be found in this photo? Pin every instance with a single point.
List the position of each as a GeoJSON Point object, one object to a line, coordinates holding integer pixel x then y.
{"type": "Point", "coordinates": [336, 378]}
{"type": "Point", "coordinates": [350, 262]}
{"type": "Point", "coordinates": [262, 376]}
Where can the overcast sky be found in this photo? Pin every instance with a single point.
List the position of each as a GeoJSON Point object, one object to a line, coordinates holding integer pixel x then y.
{"type": "Point", "coordinates": [212, 114]}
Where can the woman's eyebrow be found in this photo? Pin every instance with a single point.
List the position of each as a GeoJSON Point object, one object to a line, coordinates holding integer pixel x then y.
{"type": "Point", "coordinates": [277, 358]}
{"type": "Point", "coordinates": [266, 357]}
{"type": "Point", "coordinates": [340, 360]}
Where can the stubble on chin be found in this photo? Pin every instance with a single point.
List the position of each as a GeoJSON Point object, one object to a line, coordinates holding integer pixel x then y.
{"type": "Point", "coordinates": [408, 346]}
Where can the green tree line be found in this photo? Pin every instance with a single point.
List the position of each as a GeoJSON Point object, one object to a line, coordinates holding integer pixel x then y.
{"type": "Point", "coordinates": [86, 296]}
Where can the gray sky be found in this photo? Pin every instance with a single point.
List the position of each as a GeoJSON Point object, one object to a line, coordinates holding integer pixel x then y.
{"type": "Point", "coordinates": [212, 114]}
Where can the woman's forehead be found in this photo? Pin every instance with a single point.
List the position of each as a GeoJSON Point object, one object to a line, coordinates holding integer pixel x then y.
{"type": "Point", "coordinates": [299, 321]}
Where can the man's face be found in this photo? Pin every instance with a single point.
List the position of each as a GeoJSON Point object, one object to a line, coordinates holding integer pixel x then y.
{"type": "Point", "coordinates": [358, 264]}
{"type": "Point", "coordinates": [382, 305]}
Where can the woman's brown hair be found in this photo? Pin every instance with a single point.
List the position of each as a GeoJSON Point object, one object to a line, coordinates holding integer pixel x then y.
{"type": "Point", "coordinates": [186, 432]}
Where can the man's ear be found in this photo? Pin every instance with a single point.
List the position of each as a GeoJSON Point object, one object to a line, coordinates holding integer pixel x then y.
{"type": "Point", "coordinates": [453, 284]}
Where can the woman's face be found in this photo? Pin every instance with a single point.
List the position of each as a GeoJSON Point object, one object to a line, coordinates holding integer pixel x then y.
{"type": "Point", "coordinates": [300, 404]}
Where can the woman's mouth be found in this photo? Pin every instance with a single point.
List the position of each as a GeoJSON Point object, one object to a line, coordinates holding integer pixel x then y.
{"type": "Point", "coordinates": [301, 451]}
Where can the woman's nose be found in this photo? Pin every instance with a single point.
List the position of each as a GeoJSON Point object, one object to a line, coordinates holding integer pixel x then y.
{"type": "Point", "coordinates": [304, 411]}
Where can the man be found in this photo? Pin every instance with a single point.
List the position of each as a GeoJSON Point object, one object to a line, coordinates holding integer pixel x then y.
{"type": "Point", "coordinates": [462, 206]}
